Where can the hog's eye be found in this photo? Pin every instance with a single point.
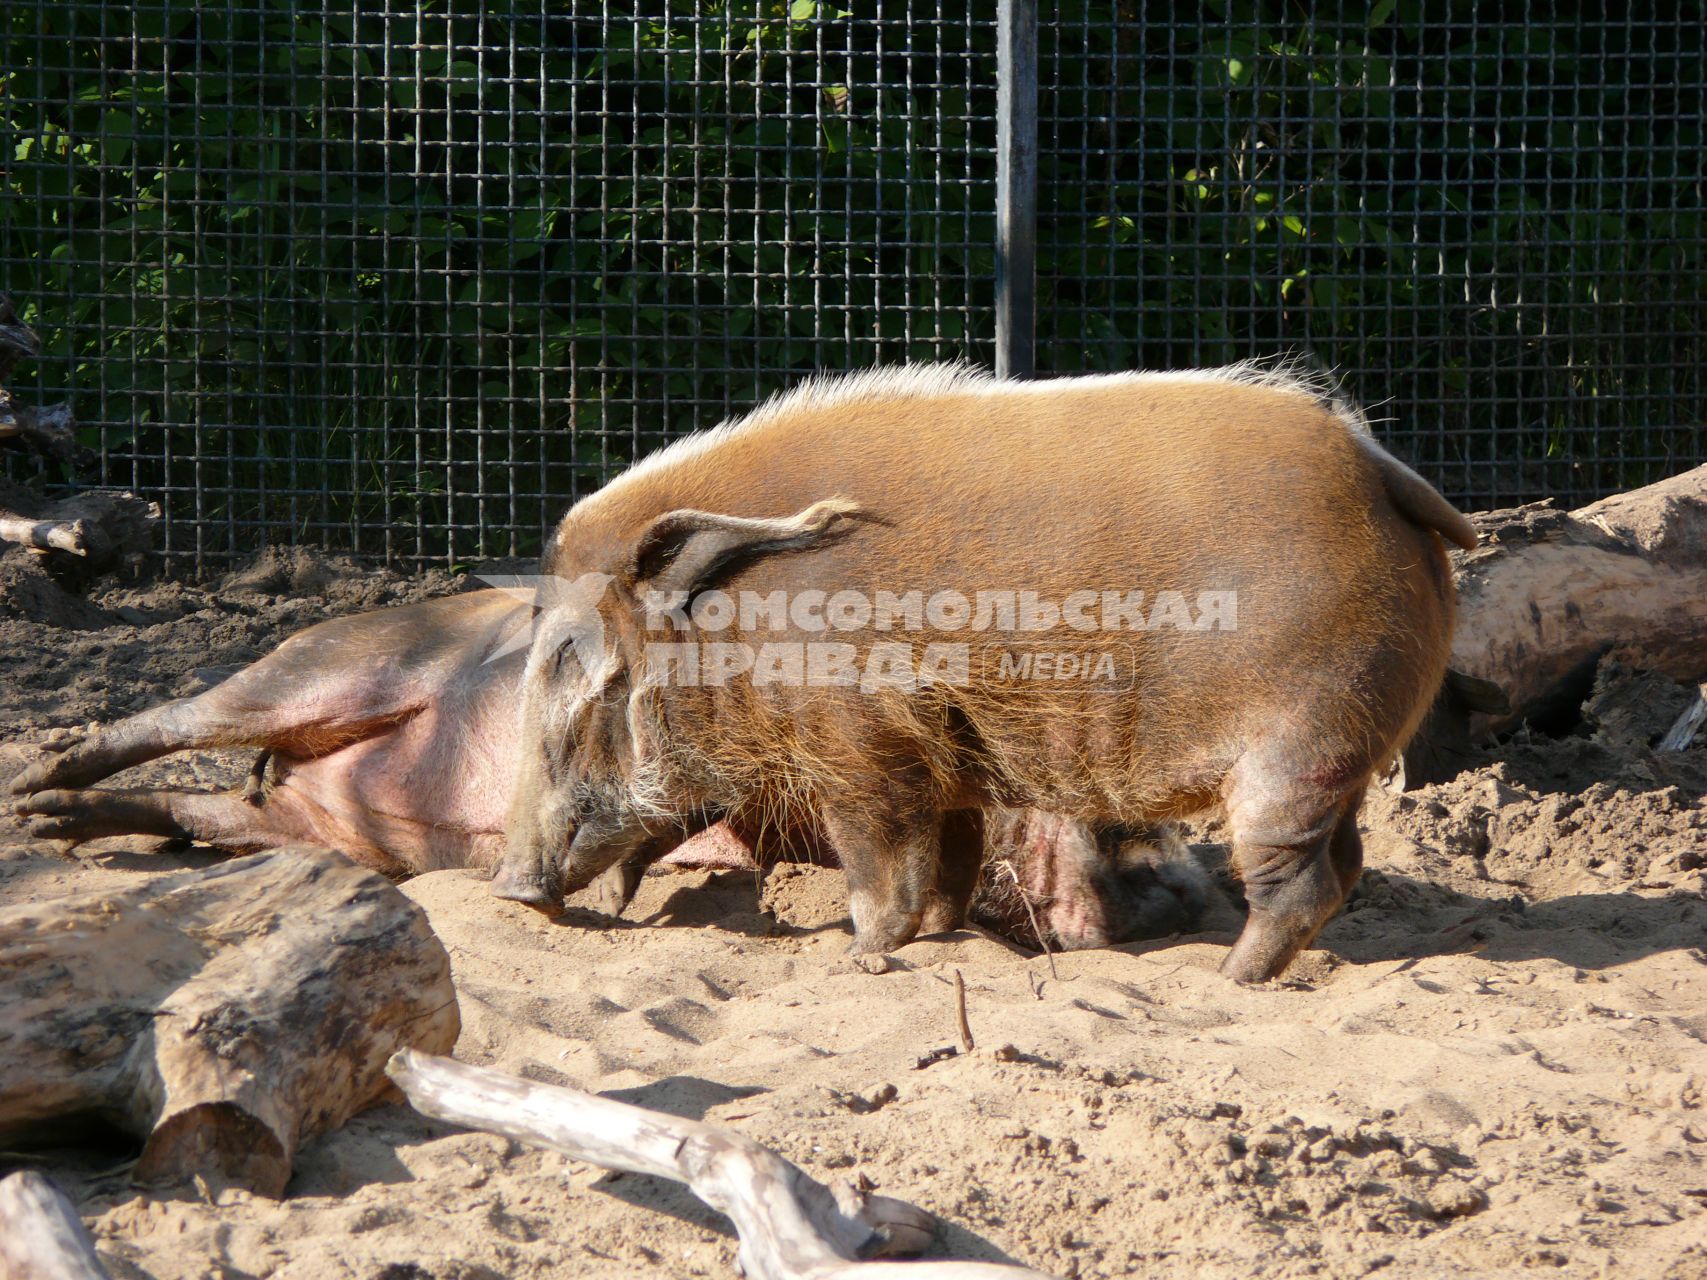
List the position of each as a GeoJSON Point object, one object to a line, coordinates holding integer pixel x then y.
{"type": "Point", "coordinates": [556, 662]}
{"type": "Point", "coordinates": [566, 658]}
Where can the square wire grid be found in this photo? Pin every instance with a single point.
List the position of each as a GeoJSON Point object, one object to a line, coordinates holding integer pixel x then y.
{"type": "Point", "coordinates": [1490, 224]}
{"type": "Point", "coordinates": [410, 279]}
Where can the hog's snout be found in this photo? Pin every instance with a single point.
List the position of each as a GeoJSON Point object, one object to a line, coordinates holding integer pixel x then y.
{"type": "Point", "coordinates": [536, 890]}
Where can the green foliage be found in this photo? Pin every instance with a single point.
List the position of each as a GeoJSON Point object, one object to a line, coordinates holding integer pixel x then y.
{"type": "Point", "coordinates": [412, 278]}
{"type": "Point", "coordinates": [1494, 223]}
{"type": "Point", "coordinates": [444, 268]}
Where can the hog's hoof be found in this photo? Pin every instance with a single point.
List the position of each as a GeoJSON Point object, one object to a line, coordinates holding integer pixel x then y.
{"type": "Point", "coordinates": [61, 815]}
{"type": "Point", "coordinates": [877, 943]}
{"type": "Point", "coordinates": [880, 927]}
{"type": "Point", "coordinates": [609, 900]}
{"type": "Point", "coordinates": [1251, 971]}
{"type": "Point", "coordinates": [942, 917]}
{"type": "Point", "coordinates": [46, 770]}
{"type": "Point", "coordinates": [871, 963]}
{"type": "Point", "coordinates": [880, 943]}
{"type": "Point", "coordinates": [531, 891]}
{"type": "Point", "coordinates": [614, 890]}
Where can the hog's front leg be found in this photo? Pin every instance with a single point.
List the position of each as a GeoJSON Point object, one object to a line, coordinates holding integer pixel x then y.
{"type": "Point", "coordinates": [959, 861]}
{"type": "Point", "coordinates": [224, 818]}
{"type": "Point", "coordinates": [890, 849]}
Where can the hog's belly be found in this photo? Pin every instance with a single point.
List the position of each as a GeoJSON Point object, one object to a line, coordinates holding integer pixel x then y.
{"type": "Point", "coordinates": [409, 793]}
{"type": "Point", "coordinates": [717, 848]}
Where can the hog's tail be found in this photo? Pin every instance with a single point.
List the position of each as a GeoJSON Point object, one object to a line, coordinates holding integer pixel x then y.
{"type": "Point", "coordinates": [1417, 499]}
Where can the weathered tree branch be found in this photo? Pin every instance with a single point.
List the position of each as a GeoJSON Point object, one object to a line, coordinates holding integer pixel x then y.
{"type": "Point", "coordinates": [41, 1236]}
{"type": "Point", "coordinates": [791, 1227]}
{"type": "Point", "coordinates": [45, 535]}
{"type": "Point", "coordinates": [224, 1016]}
{"type": "Point", "coordinates": [100, 526]}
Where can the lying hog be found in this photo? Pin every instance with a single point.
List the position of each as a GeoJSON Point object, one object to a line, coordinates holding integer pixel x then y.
{"type": "Point", "coordinates": [390, 736]}
{"type": "Point", "coordinates": [737, 637]}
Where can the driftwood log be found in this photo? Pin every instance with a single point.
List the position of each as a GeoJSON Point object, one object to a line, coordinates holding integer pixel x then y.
{"type": "Point", "coordinates": [223, 1016]}
{"type": "Point", "coordinates": [41, 1236]}
{"type": "Point", "coordinates": [791, 1226]}
{"type": "Point", "coordinates": [1551, 593]}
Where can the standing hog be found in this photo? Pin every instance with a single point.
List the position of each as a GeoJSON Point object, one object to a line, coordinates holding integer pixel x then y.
{"type": "Point", "coordinates": [1320, 633]}
{"type": "Point", "coordinates": [390, 736]}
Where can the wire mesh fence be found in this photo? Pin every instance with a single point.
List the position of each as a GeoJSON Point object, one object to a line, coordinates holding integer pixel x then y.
{"type": "Point", "coordinates": [409, 279]}
{"type": "Point", "coordinates": [1491, 223]}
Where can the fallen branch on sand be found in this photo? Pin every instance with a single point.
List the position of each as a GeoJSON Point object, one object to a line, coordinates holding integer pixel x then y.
{"type": "Point", "coordinates": [791, 1226]}
{"type": "Point", "coordinates": [100, 526]}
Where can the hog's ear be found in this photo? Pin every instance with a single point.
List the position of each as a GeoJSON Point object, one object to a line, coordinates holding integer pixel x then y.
{"type": "Point", "coordinates": [684, 551]}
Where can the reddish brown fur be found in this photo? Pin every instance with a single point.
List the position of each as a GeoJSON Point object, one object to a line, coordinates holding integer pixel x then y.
{"type": "Point", "coordinates": [1186, 482]}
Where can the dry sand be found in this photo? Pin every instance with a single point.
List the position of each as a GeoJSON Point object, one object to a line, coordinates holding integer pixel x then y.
{"type": "Point", "coordinates": [1494, 1061]}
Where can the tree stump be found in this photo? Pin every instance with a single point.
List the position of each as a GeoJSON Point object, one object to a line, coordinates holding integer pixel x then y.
{"type": "Point", "coordinates": [223, 1016]}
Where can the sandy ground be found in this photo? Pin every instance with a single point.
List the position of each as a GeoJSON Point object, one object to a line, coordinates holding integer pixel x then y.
{"type": "Point", "coordinates": [1494, 1062]}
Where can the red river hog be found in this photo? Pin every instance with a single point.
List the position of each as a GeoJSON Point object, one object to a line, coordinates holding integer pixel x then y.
{"type": "Point", "coordinates": [885, 600]}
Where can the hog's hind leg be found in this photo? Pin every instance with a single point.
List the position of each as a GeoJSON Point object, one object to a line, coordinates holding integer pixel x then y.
{"type": "Point", "coordinates": [81, 757]}
{"type": "Point", "coordinates": [1298, 852]}
{"type": "Point", "coordinates": [1345, 848]}
{"type": "Point", "coordinates": [300, 699]}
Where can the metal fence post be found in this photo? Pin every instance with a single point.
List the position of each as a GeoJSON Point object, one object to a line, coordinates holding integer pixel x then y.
{"type": "Point", "coordinates": [1016, 188]}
